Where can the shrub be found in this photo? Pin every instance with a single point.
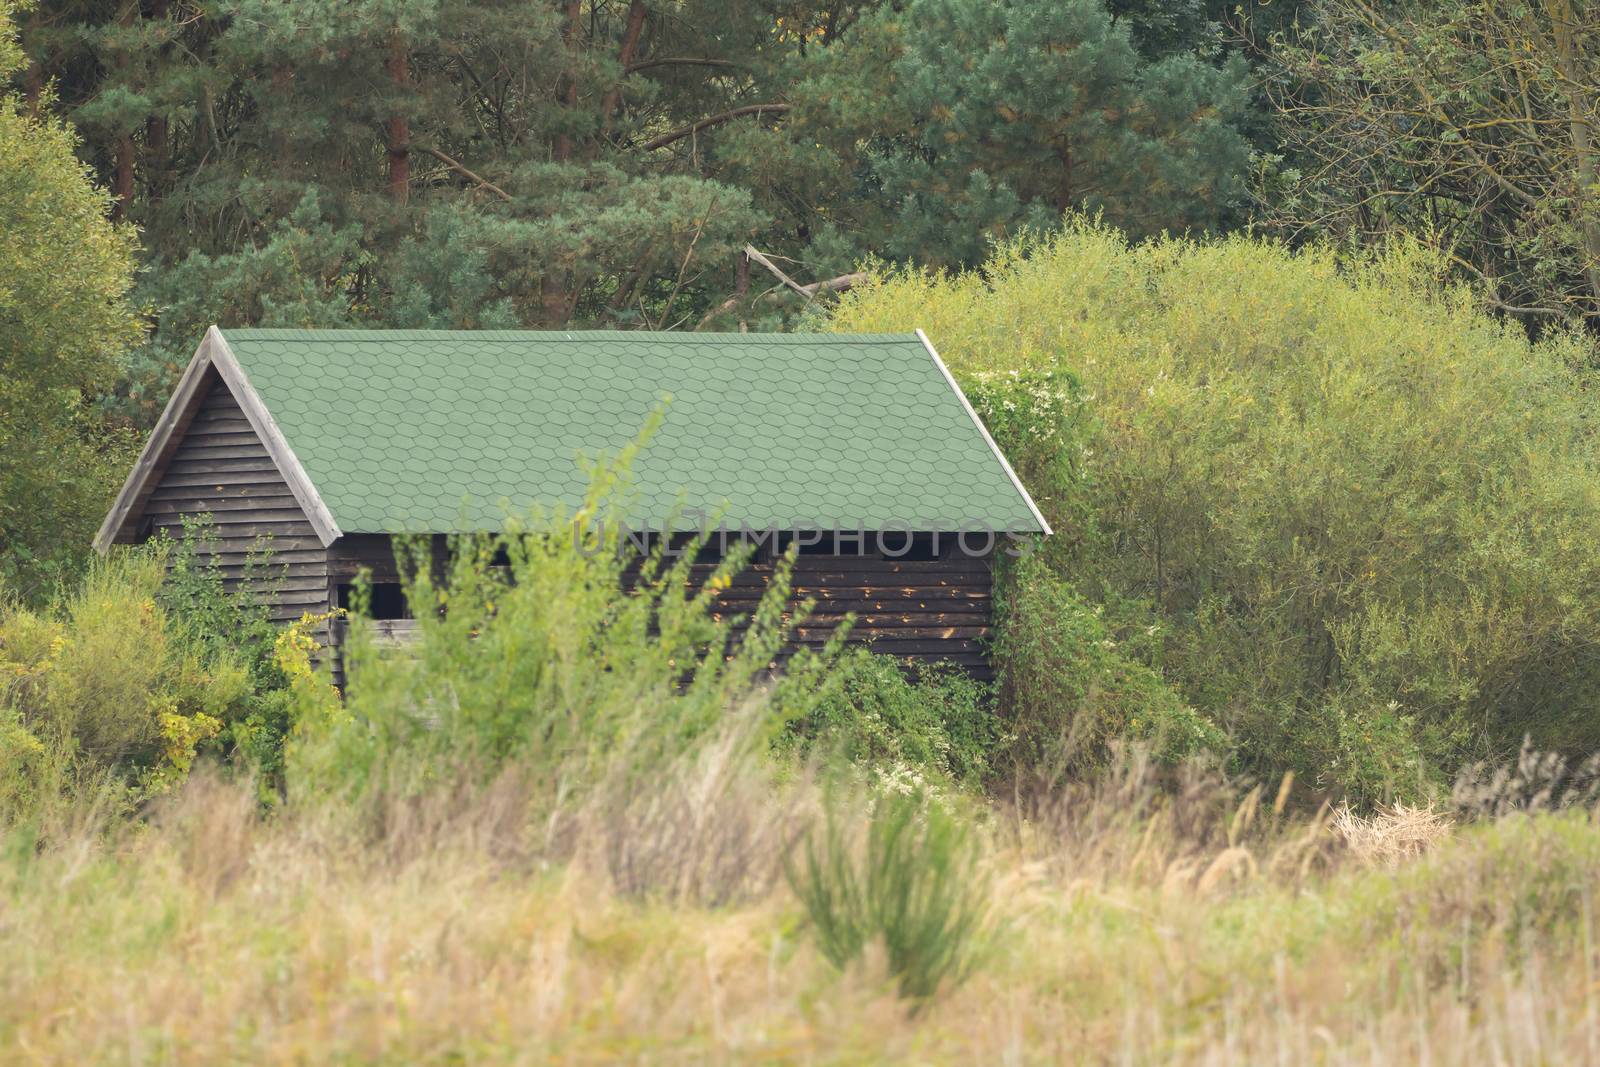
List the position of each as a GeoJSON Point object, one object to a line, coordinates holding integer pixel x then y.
{"type": "Point", "coordinates": [915, 883]}
{"type": "Point", "coordinates": [1365, 513]}
{"type": "Point", "coordinates": [1070, 688]}
{"type": "Point", "coordinates": [937, 721]}
{"type": "Point", "coordinates": [104, 689]}
{"type": "Point", "coordinates": [235, 624]}
{"type": "Point", "coordinates": [533, 651]}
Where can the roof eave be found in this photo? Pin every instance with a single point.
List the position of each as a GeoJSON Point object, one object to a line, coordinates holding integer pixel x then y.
{"type": "Point", "coordinates": [173, 416]}
{"type": "Point", "coordinates": [1027, 498]}
{"type": "Point", "coordinates": [266, 427]}
{"type": "Point", "coordinates": [214, 352]}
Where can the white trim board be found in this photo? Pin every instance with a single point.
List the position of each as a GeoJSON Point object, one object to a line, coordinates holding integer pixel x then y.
{"type": "Point", "coordinates": [1027, 498]}
{"type": "Point", "coordinates": [277, 445]}
{"type": "Point", "coordinates": [213, 352]}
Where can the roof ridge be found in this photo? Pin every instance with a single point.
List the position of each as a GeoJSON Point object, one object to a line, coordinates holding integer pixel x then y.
{"type": "Point", "coordinates": [547, 336]}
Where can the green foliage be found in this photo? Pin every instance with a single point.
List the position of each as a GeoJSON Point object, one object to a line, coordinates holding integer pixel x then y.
{"type": "Point", "coordinates": [1361, 513]}
{"type": "Point", "coordinates": [915, 883]}
{"type": "Point", "coordinates": [940, 723]}
{"type": "Point", "coordinates": [235, 625]}
{"type": "Point", "coordinates": [471, 163]}
{"type": "Point", "coordinates": [1070, 688]}
{"type": "Point", "coordinates": [532, 652]}
{"type": "Point", "coordinates": [65, 272]}
{"type": "Point", "coordinates": [1042, 416]}
{"type": "Point", "coordinates": [1018, 111]}
{"type": "Point", "coordinates": [105, 691]}
{"type": "Point", "coordinates": [1465, 124]}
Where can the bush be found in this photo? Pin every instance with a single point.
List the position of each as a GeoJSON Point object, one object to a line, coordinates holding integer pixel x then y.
{"type": "Point", "coordinates": [1071, 688]}
{"type": "Point", "coordinates": [532, 651]}
{"type": "Point", "coordinates": [937, 722]}
{"type": "Point", "coordinates": [65, 323]}
{"type": "Point", "coordinates": [1365, 514]}
{"type": "Point", "coordinates": [235, 625]}
{"type": "Point", "coordinates": [915, 883]}
{"type": "Point", "coordinates": [104, 690]}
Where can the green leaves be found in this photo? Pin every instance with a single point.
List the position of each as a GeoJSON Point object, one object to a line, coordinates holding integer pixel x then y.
{"type": "Point", "coordinates": [65, 321]}
{"type": "Point", "coordinates": [914, 884]}
{"type": "Point", "coordinates": [1020, 111]}
{"type": "Point", "coordinates": [1362, 513]}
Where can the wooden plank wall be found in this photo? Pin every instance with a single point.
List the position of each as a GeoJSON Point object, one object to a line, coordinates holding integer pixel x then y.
{"type": "Point", "coordinates": [221, 468]}
{"type": "Point", "coordinates": [920, 611]}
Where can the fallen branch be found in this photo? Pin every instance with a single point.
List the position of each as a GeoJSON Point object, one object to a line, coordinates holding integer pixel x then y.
{"type": "Point", "coordinates": [815, 289]}
{"type": "Point", "coordinates": [810, 292]}
{"type": "Point", "coordinates": [712, 120]}
{"type": "Point", "coordinates": [835, 285]}
{"type": "Point", "coordinates": [464, 172]}
{"type": "Point", "coordinates": [676, 61]}
{"type": "Point", "coordinates": [750, 250]}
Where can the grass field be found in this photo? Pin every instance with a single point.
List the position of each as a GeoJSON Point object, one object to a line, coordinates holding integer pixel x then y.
{"type": "Point", "coordinates": [1125, 925]}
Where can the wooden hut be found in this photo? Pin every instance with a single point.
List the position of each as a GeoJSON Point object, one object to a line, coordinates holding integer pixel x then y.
{"type": "Point", "coordinates": [320, 445]}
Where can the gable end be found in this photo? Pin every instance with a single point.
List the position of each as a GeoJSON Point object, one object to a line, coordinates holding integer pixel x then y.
{"type": "Point", "coordinates": [212, 375]}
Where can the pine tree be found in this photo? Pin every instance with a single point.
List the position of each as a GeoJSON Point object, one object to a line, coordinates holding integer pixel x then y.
{"type": "Point", "coordinates": [467, 163]}
{"type": "Point", "coordinates": [1016, 112]}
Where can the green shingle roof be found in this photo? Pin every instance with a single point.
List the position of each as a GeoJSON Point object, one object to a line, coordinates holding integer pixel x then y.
{"type": "Point", "coordinates": [422, 430]}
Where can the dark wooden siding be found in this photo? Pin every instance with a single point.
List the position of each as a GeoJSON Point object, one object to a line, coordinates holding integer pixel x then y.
{"type": "Point", "coordinates": [920, 611]}
{"type": "Point", "coordinates": [221, 468]}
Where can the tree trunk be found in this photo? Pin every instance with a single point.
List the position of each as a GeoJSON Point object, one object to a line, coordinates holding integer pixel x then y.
{"type": "Point", "coordinates": [1064, 187]}
{"type": "Point", "coordinates": [32, 86]}
{"type": "Point", "coordinates": [156, 147]}
{"type": "Point", "coordinates": [569, 94]}
{"type": "Point", "coordinates": [122, 177]}
{"type": "Point", "coordinates": [1563, 30]}
{"type": "Point", "coordinates": [553, 290]}
{"type": "Point", "coordinates": [122, 154]}
{"type": "Point", "coordinates": [282, 86]}
{"type": "Point", "coordinates": [399, 67]}
{"type": "Point", "coordinates": [156, 151]}
{"type": "Point", "coordinates": [33, 77]}
{"type": "Point", "coordinates": [630, 45]}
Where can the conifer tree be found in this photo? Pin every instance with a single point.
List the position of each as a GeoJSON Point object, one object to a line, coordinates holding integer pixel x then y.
{"type": "Point", "coordinates": [474, 163]}
{"type": "Point", "coordinates": [1011, 113]}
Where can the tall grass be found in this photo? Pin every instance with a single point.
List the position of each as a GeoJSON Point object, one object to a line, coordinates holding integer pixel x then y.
{"type": "Point", "coordinates": [217, 934]}
{"type": "Point", "coordinates": [914, 885]}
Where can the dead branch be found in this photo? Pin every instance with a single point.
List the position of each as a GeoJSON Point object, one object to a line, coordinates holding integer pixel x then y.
{"type": "Point", "coordinates": [810, 292]}
{"type": "Point", "coordinates": [676, 61]}
{"type": "Point", "coordinates": [712, 120]}
{"type": "Point", "coordinates": [815, 289]}
{"type": "Point", "coordinates": [478, 180]}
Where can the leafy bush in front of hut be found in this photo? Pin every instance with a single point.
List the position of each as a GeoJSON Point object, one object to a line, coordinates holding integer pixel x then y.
{"type": "Point", "coordinates": [1072, 687]}
{"type": "Point", "coordinates": [105, 693]}
{"type": "Point", "coordinates": [937, 722]}
{"type": "Point", "coordinates": [236, 623]}
{"type": "Point", "coordinates": [533, 656]}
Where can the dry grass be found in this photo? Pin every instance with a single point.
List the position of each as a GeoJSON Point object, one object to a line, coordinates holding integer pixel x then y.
{"type": "Point", "coordinates": [1390, 834]}
{"type": "Point", "coordinates": [1143, 926]}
